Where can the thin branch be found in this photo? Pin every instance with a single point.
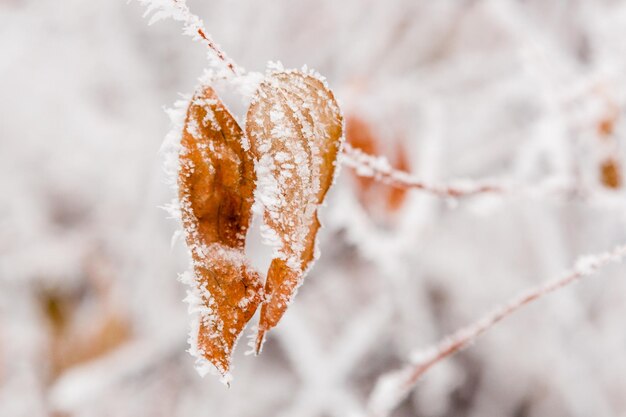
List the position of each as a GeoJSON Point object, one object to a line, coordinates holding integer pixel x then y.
{"type": "Point", "coordinates": [393, 387]}
{"type": "Point", "coordinates": [221, 55]}
{"type": "Point", "coordinates": [192, 24]}
{"type": "Point", "coordinates": [378, 168]}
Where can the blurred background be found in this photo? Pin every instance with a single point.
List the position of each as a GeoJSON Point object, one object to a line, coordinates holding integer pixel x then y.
{"type": "Point", "coordinates": [92, 321]}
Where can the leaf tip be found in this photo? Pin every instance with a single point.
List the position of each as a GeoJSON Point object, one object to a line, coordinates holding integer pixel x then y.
{"type": "Point", "coordinates": [260, 340]}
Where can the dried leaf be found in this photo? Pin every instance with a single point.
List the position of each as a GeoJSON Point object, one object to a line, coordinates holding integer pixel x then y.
{"type": "Point", "coordinates": [380, 200]}
{"type": "Point", "coordinates": [606, 126]}
{"type": "Point", "coordinates": [610, 174]}
{"type": "Point", "coordinates": [107, 331]}
{"type": "Point", "coordinates": [295, 131]}
{"type": "Point", "coordinates": [68, 308]}
{"type": "Point", "coordinates": [216, 187]}
{"type": "Point", "coordinates": [609, 120]}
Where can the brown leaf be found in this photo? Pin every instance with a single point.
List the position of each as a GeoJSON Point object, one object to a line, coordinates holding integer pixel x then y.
{"type": "Point", "coordinates": [107, 330]}
{"type": "Point", "coordinates": [606, 126]}
{"type": "Point", "coordinates": [380, 200]}
{"type": "Point", "coordinates": [610, 174]}
{"type": "Point", "coordinates": [216, 186]}
{"type": "Point", "coordinates": [295, 131]}
{"type": "Point", "coordinates": [85, 322]}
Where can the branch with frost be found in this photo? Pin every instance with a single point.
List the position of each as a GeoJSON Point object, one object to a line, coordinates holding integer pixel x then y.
{"type": "Point", "coordinates": [192, 26]}
{"type": "Point", "coordinates": [378, 168]}
{"type": "Point", "coordinates": [392, 387]}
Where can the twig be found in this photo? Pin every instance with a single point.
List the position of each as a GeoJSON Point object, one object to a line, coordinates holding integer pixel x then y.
{"type": "Point", "coordinates": [193, 26]}
{"type": "Point", "coordinates": [230, 64]}
{"type": "Point", "coordinates": [378, 168]}
{"type": "Point", "coordinates": [392, 387]}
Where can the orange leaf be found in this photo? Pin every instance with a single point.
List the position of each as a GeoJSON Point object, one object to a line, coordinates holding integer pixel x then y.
{"type": "Point", "coordinates": [610, 174]}
{"type": "Point", "coordinates": [295, 131]}
{"type": "Point", "coordinates": [377, 198]}
{"type": "Point", "coordinates": [216, 186]}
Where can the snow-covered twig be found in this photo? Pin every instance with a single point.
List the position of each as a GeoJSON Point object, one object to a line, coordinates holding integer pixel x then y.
{"type": "Point", "coordinates": [192, 24]}
{"type": "Point", "coordinates": [378, 168]}
{"type": "Point", "coordinates": [392, 387]}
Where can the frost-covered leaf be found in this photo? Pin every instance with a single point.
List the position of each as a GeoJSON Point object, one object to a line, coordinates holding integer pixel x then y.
{"type": "Point", "coordinates": [295, 130]}
{"type": "Point", "coordinates": [216, 187]}
{"type": "Point", "coordinates": [377, 198]}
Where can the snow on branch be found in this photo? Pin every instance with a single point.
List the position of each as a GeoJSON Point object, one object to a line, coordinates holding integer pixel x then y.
{"type": "Point", "coordinates": [392, 387]}
{"type": "Point", "coordinates": [192, 26]}
{"type": "Point", "coordinates": [378, 168]}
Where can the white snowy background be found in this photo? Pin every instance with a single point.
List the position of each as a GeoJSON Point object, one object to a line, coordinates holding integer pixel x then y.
{"type": "Point", "coordinates": [92, 322]}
